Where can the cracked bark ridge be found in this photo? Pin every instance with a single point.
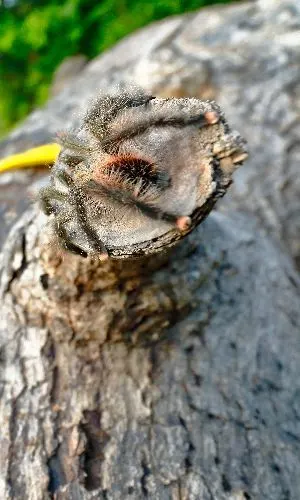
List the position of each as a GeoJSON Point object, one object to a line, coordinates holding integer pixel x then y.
{"type": "Point", "coordinates": [171, 377]}
{"type": "Point", "coordinates": [246, 57]}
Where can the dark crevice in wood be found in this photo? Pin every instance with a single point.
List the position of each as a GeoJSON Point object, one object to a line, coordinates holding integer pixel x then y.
{"type": "Point", "coordinates": [146, 473]}
{"type": "Point", "coordinates": [93, 455]}
{"type": "Point", "coordinates": [55, 472]}
{"type": "Point", "coordinates": [226, 484]}
{"type": "Point", "coordinates": [44, 278]}
{"type": "Point", "coordinates": [17, 273]}
{"type": "Point", "coordinates": [188, 461]}
{"type": "Point", "coordinates": [12, 472]}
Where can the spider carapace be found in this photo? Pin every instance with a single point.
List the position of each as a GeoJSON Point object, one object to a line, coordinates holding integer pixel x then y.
{"type": "Point", "coordinates": [139, 173]}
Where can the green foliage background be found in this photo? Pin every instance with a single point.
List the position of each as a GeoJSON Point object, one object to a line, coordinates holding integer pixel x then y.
{"type": "Point", "coordinates": [35, 36]}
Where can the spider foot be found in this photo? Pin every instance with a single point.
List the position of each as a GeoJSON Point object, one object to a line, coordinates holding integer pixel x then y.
{"type": "Point", "coordinates": [183, 223]}
{"type": "Point", "coordinates": [211, 117]}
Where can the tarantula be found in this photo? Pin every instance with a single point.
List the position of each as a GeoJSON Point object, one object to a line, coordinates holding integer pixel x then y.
{"type": "Point", "coordinates": [139, 173]}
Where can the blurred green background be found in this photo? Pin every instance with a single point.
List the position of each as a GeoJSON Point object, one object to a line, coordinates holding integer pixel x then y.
{"type": "Point", "coordinates": [35, 36]}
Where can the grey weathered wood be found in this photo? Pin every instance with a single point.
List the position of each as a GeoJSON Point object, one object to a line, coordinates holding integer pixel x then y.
{"type": "Point", "coordinates": [171, 378]}
{"type": "Point", "coordinates": [175, 377]}
{"type": "Point", "coordinates": [247, 57]}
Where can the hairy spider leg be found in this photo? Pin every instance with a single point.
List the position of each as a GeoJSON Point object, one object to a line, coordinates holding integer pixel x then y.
{"type": "Point", "coordinates": [106, 108]}
{"type": "Point", "coordinates": [78, 205]}
{"type": "Point", "coordinates": [126, 197]}
{"type": "Point", "coordinates": [141, 122]}
{"type": "Point", "coordinates": [65, 240]}
{"type": "Point", "coordinates": [69, 140]}
{"type": "Point", "coordinates": [47, 196]}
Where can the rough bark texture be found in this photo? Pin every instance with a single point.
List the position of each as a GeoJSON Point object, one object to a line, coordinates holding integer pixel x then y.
{"type": "Point", "coordinates": [247, 57]}
{"type": "Point", "coordinates": [175, 377]}
{"type": "Point", "coordinates": [171, 378]}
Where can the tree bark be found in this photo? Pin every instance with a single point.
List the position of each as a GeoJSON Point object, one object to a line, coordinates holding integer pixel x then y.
{"type": "Point", "coordinates": [176, 376]}
{"type": "Point", "coordinates": [245, 56]}
{"type": "Point", "coordinates": [172, 377]}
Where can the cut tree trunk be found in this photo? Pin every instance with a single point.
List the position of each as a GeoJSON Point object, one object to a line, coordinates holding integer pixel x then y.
{"type": "Point", "coordinates": [173, 377]}
{"type": "Point", "coordinates": [245, 56]}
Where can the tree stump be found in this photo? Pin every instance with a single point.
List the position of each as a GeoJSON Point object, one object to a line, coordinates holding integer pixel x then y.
{"type": "Point", "coordinates": [245, 56]}
{"type": "Point", "coordinates": [172, 377]}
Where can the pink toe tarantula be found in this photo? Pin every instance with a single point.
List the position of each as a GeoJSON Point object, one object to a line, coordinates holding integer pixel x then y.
{"type": "Point", "coordinates": [139, 174]}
